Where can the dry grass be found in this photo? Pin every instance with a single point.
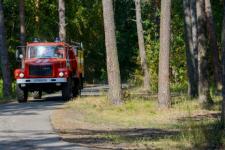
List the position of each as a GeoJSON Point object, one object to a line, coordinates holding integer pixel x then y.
{"type": "Point", "coordinates": [138, 124]}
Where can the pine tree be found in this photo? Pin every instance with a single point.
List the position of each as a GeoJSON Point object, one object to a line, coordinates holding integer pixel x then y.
{"type": "Point", "coordinates": [223, 66]}
{"type": "Point", "coordinates": [4, 56]}
{"type": "Point", "coordinates": [111, 52]}
{"type": "Point", "coordinates": [213, 44]}
{"type": "Point", "coordinates": [164, 85]}
{"type": "Point", "coordinates": [62, 22]}
{"type": "Point", "coordinates": [141, 43]}
{"type": "Point", "coordinates": [204, 95]}
{"type": "Point", "coordinates": [22, 23]}
{"type": "Point", "coordinates": [191, 46]}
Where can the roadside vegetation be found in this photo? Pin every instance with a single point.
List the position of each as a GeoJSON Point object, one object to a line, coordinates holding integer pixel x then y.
{"type": "Point", "coordinates": [6, 99]}
{"type": "Point", "coordinates": [139, 124]}
{"type": "Point", "coordinates": [2, 99]}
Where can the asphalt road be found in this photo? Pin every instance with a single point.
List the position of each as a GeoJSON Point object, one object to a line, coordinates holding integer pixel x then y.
{"type": "Point", "coordinates": [27, 126]}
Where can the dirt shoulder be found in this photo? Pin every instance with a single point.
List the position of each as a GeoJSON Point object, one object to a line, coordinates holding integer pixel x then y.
{"type": "Point", "coordinates": [5, 101]}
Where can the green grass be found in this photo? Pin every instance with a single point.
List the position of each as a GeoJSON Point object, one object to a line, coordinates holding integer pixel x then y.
{"type": "Point", "coordinates": [205, 134]}
{"type": "Point", "coordinates": [139, 123]}
{"type": "Point", "coordinates": [1, 94]}
{"type": "Point", "coordinates": [5, 99]}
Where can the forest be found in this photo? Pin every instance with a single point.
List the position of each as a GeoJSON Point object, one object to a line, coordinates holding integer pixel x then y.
{"type": "Point", "coordinates": [157, 47]}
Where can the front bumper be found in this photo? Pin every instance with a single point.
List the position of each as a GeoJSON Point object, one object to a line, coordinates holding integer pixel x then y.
{"type": "Point", "coordinates": [41, 80]}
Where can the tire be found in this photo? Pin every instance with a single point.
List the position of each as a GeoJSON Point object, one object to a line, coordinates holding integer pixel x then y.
{"type": "Point", "coordinates": [37, 94]}
{"type": "Point", "coordinates": [76, 91]}
{"type": "Point", "coordinates": [67, 90]}
{"type": "Point", "coordinates": [22, 94]}
{"type": "Point", "coordinates": [81, 81]}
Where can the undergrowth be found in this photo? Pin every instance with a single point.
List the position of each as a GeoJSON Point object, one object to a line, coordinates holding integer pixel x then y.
{"type": "Point", "coordinates": [184, 126]}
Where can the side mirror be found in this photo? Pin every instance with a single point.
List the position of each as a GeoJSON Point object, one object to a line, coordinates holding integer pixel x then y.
{"type": "Point", "coordinates": [21, 56]}
{"type": "Point", "coordinates": [19, 53]}
{"type": "Point", "coordinates": [81, 46]}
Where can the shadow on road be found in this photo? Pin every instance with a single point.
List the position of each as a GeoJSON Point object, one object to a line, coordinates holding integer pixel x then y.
{"type": "Point", "coordinates": [26, 126]}
{"type": "Point", "coordinates": [37, 142]}
{"type": "Point", "coordinates": [32, 107]}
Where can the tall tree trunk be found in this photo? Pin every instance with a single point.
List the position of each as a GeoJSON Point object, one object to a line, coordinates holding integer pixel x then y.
{"type": "Point", "coordinates": [156, 7]}
{"type": "Point", "coordinates": [204, 94]}
{"type": "Point", "coordinates": [62, 22]}
{"type": "Point", "coordinates": [142, 46]}
{"type": "Point", "coordinates": [213, 44]}
{"type": "Point", "coordinates": [111, 53]}
{"type": "Point", "coordinates": [194, 41]}
{"type": "Point", "coordinates": [22, 23]}
{"type": "Point", "coordinates": [223, 66]}
{"type": "Point", "coordinates": [164, 82]}
{"type": "Point", "coordinates": [37, 18]}
{"type": "Point", "coordinates": [4, 56]}
{"type": "Point", "coordinates": [190, 52]}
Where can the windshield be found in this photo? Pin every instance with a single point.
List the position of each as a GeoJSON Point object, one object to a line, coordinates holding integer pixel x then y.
{"type": "Point", "coordinates": [45, 52]}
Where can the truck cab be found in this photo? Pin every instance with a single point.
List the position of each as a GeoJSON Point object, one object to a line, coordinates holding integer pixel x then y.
{"type": "Point", "coordinates": [49, 67]}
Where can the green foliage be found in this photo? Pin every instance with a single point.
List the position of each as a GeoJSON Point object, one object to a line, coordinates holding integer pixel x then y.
{"type": "Point", "coordinates": [151, 20]}
{"type": "Point", "coordinates": [126, 37]}
{"type": "Point", "coordinates": [5, 99]}
{"type": "Point", "coordinates": [85, 23]}
{"type": "Point", "coordinates": [178, 52]}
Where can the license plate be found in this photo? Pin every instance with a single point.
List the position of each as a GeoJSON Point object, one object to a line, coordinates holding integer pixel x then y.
{"type": "Point", "coordinates": [40, 80]}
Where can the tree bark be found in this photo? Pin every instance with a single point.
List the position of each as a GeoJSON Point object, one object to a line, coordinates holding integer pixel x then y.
{"type": "Point", "coordinates": [190, 51]}
{"type": "Point", "coordinates": [62, 22]}
{"type": "Point", "coordinates": [204, 95]}
{"type": "Point", "coordinates": [195, 41]}
{"type": "Point", "coordinates": [223, 67]}
{"type": "Point", "coordinates": [111, 53]}
{"type": "Point", "coordinates": [156, 7]}
{"type": "Point", "coordinates": [22, 23]}
{"type": "Point", "coordinates": [142, 46]}
{"type": "Point", "coordinates": [163, 83]}
{"type": "Point", "coordinates": [4, 56]}
{"type": "Point", "coordinates": [37, 18]}
{"type": "Point", "coordinates": [213, 44]}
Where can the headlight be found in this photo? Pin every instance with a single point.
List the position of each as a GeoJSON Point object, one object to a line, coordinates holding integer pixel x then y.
{"type": "Point", "coordinates": [21, 75]}
{"type": "Point", "coordinates": [61, 74]}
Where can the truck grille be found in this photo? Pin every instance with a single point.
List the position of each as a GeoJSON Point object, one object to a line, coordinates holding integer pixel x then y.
{"type": "Point", "coordinates": [40, 70]}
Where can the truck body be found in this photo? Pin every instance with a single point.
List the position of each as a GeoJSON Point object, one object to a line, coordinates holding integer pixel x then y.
{"type": "Point", "coordinates": [49, 67]}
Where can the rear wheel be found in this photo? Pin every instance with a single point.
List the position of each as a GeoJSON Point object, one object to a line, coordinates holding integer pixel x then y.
{"type": "Point", "coordinates": [81, 82]}
{"type": "Point", "coordinates": [76, 88]}
{"type": "Point", "coordinates": [37, 94]}
{"type": "Point", "coordinates": [67, 90]}
{"type": "Point", "coordinates": [22, 94]}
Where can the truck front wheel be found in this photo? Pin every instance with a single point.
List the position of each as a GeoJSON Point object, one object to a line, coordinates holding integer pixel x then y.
{"type": "Point", "coordinates": [67, 90]}
{"type": "Point", "coordinates": [22, 94]}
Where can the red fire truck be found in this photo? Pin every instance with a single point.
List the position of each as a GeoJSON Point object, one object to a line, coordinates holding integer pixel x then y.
{"type": "Point", "coordinates": [49, 67]}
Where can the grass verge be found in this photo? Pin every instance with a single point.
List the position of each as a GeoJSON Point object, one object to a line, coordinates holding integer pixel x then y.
{"type": "Point", "coordinates": [139, 124]}
{"type": "Point", "coordinates": [7, 99]}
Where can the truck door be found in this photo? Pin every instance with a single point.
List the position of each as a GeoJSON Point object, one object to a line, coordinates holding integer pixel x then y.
{"type": "Point", "coordinates": [72, 59]}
